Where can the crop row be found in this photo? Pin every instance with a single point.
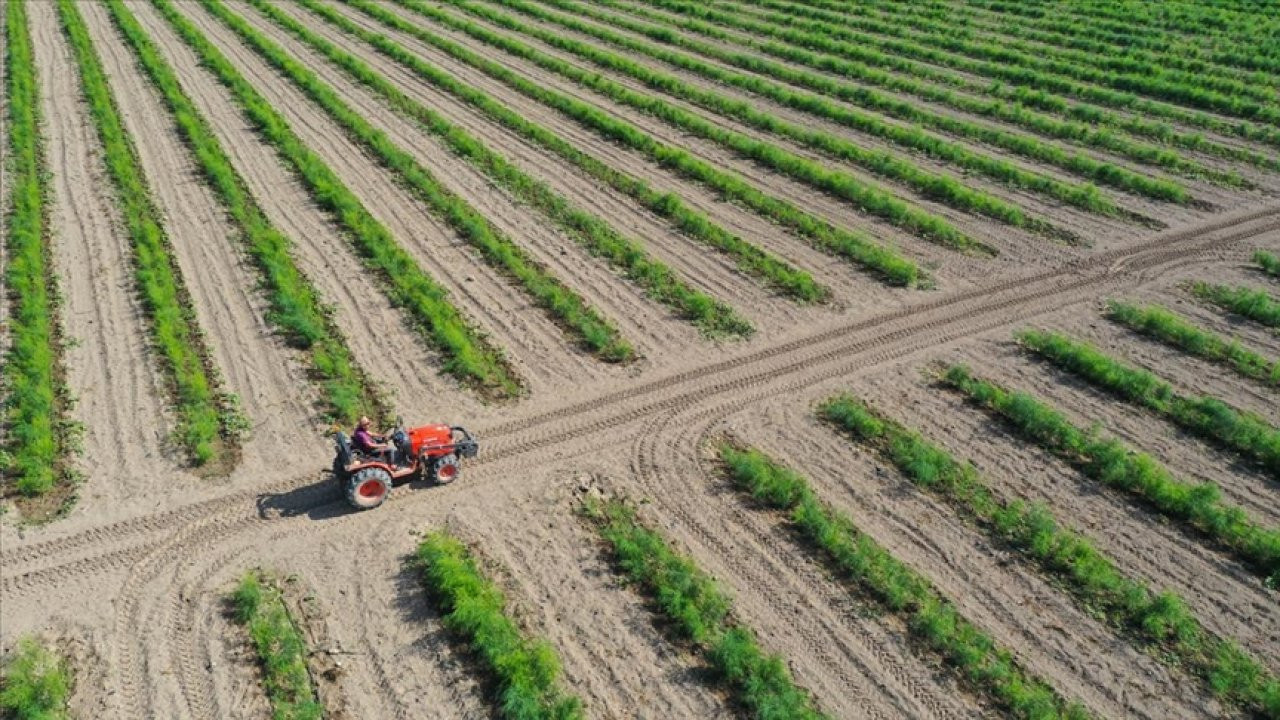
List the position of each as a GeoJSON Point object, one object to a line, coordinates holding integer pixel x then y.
{"type": "Point", "coordinates": [467, 356]}
{"type": "Point", "coordinates": [860, 61]}
{"type": "Point", "coordinates": [1158, 322]}
{"type": "Point", "coordinates": [1190, 19]}
{"type": "Point", "coordinates": [472, 607]}
{"type": "Point", "coordinates": [1085, 197]}
{"type": "Point", "coordinates": [1109, 461]}
{"type": "Point", "coordinates": [207, 421]}
{"type": "Point", "coordinates": [657, 279]}
{"type": "Point", "coordinates": [912, 138]}
{"type": "Point", "coordinates": [1154, 79]}
{"type": "Point", "coordinates": [1257, 305]}
{"type": "Point", "coordinates": [295, 308]}
{"type": "Point", "coordinates": [35, 681]}
{"type": "Point", "coordinates": [864, 196]}
{"type": "Point", "coordinates": [836, 241]}
{"type": "Point", "coordinates": [1267, 263]}
{"type": "Point", "coordinates": [282, 652]}
{"type": "Point", "coordinates": [814, 19]}
{"type": "Point", "coordinates": [749, 258]}
{"type": "Point", "coordinates": [565, 306]}
{"type": "Point", "coordinates": [699, 613]}
{"type": "Point", "coordinates": [1208, 417]}
{"type": "Point", "coordinates": [1242, 101]}
{"type": "Point", "coordinates": [932, 620]}
{"type": "Point", "coordinates": [34, 399]}
{"type": "Point", "coordinates": [1161, 621]}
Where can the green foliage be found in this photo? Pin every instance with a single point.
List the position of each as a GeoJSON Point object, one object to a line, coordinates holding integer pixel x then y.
{"type": "Point", "coordinates": [34, 399]}
{"type": "Point", "coordinates": [35, 683]}
{"type": "Point", "coordinates": [1111, 462]}
{"type": "Point", "coordinates": [281, 649]}
{"type": "Point", "coordinates": [836, 241]}
{"type": "Point", "coordinates": [1257, 305]}
{"type": "Point", "coordinates": [1267, 263]}
{"type": "Point", "coordinates": [931, 619]}
{"type": "Point", "coordinates": [591, 231]}
{"type": "Point", "coordinates": [207, 421]}
{"type": "Point", "coordinates": [473, 608]}
{"type": "Point", "coordinates": [295, 307]}
{"type": "Point", "coordinates": [1245, 433]}
{"type": "Point", "coordinates": [467, 356]}
{"type": "Point", "coordinates": [1161, 621]}
{"type": "Point", "coordinates": [565, 306]}
{"type": "Point", "coordinates": [699, 613]}
{"type": "Point", "coordinates": [1167, 327]}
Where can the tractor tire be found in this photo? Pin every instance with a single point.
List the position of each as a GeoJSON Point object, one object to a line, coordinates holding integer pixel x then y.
{"type": "Point", "coordinates": [445, 469]}
{"type": "Point", "coordinates": [368, 488]}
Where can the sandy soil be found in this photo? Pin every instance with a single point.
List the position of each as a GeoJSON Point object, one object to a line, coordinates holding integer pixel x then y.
{"type": "Point", "coordinates": [133, 584]}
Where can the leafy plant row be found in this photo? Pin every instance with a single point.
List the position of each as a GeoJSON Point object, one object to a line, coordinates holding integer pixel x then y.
{"type": "Point", "coordinates": [826, 237]}
{"type": "Point", "coordinates": [1171, 329]}
{"type": "Point", "coordinates": [1161, 622]}
{"type": "Point", "coordinates": [699, 613]}
{"type": "Point", "coordinates": [1155, 79]}
{"type": "Point", "coordinates": [1257, 305]}
{"type": "Point", "coordinates": [282, 651]}
{"type": "Point", "coordinates": [1197, 507]}
{"type": "Point", "coordinates": [566, 307]}
{"type": "Point", "coordinates": [815, 19]}
{"type": "Point", "coordinates": [932, 620]}
{"type": "Point", "coordinates": [860, 61]}
{"type": "Point", "coordinates": [467, 356]}
{"type": "Point", "coordinates": [1087, 198]}
{"type": "Point", "coordinates": [1190, 20]}
{"type": "Point", "coordinates": [658, 280]}
{"type": "Point", "coordinates": [295, 307]}
{"type": "Point", "coordinates": [1267, 263]}
{"type": "Point", "coordinates": [472, 607]}
{"type": "Point", "coordinates": [1243, 102]}
{"type": "Point", "coordinates": [1209, 417]}
{"type": "Point", "coordinates": [35, 682]}
{"type": "Point", "coordinates": [749, 258]}
{"type": "Point", "coordinates": [841, 185]}
{"type": "Point", "coordinates": [34, 398]}
{"type": "Point", "coordinates": [207, 422]}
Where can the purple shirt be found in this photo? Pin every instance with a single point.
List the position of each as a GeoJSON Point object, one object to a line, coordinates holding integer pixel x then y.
{"type": "Point", "coordinates": [362, 439]}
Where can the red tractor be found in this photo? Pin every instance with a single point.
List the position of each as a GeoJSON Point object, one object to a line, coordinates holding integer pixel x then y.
{"type": "Point", "coordinates": [431, 451]}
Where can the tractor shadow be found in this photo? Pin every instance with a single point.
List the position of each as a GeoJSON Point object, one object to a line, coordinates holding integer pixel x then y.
{"type": "Point", "coordinates": [320, 500]}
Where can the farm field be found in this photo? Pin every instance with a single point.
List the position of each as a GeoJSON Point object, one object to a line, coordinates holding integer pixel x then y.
{"type": "Point", "coordinates": [827, 359]}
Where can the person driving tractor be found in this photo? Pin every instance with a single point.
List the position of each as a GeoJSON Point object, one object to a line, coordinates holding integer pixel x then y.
{"type": "Point", "coordinates": [368, 443]}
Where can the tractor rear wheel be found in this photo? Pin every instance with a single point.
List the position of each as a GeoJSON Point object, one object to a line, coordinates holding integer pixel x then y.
{"type": "Point", "coordinates": [368, 488]}
{"type": "Point", "coordinates": [445, 469]}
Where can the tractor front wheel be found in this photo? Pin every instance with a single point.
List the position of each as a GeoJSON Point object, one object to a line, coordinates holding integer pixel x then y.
{"type": "Point", "coordinates": [445, 469]}
{"type": "Point", "coordinates": [368, 488]}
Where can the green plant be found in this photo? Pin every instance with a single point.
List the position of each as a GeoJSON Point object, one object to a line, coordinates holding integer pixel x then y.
{"type": "Point", "coordinates": [1159, 621]}
{"type": "Point", "coordinates": [474, 609]}
{"type": "Point", "coordinates": [282, 651]}
{"type": "Point", "coordinates": [1197, 507]}
{"type": "Point", "coordinates": [206, 420]}
{"type": "Point", "coordinates": [1257, 305]}
{"type": "Point", "coordinates": [35, 683]}
{"type": "Point", "coordinates": [699, 613]}
{"type": "Point", "coordinates": [1171, 329]}
{"type": "Point", "coordinates": [601, 239]}
{"type": "Point", "coordinates": [1208, 417]}
{"type": "Point", "coordinates": [1267, 263]}
{"type": "Point", "coordinates": [468, 357]}
{"type": "Point", "coordinates": [836, 241]}
{"type": "Point", "coordinates": [295, 307]}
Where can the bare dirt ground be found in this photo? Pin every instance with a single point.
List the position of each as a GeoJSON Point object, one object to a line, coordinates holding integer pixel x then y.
{"type": "Point", "coordinates": [133, 583]}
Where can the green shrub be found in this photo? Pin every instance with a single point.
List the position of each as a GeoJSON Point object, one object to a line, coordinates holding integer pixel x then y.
{"type": "Point", "coordinates": [1267, 263]}
{"type": "Point", "coordinates": [1257, 305]}
{"type": "Point", "coordinates": [699, 613]}
{"type": "Point", "coordinates": [1167, 327]}
{"type": "Point", "coordinates": [35, 683]}
{"type": "Point", "coordinates": [931, 619]}
{"type": "Point", "coordinates": [281, 649]}
{"type": "Point", "coordinates": [473, 608]}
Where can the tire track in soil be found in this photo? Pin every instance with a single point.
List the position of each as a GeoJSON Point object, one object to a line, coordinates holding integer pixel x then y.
{"type": "Point", "coordinates": [905, 331]}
